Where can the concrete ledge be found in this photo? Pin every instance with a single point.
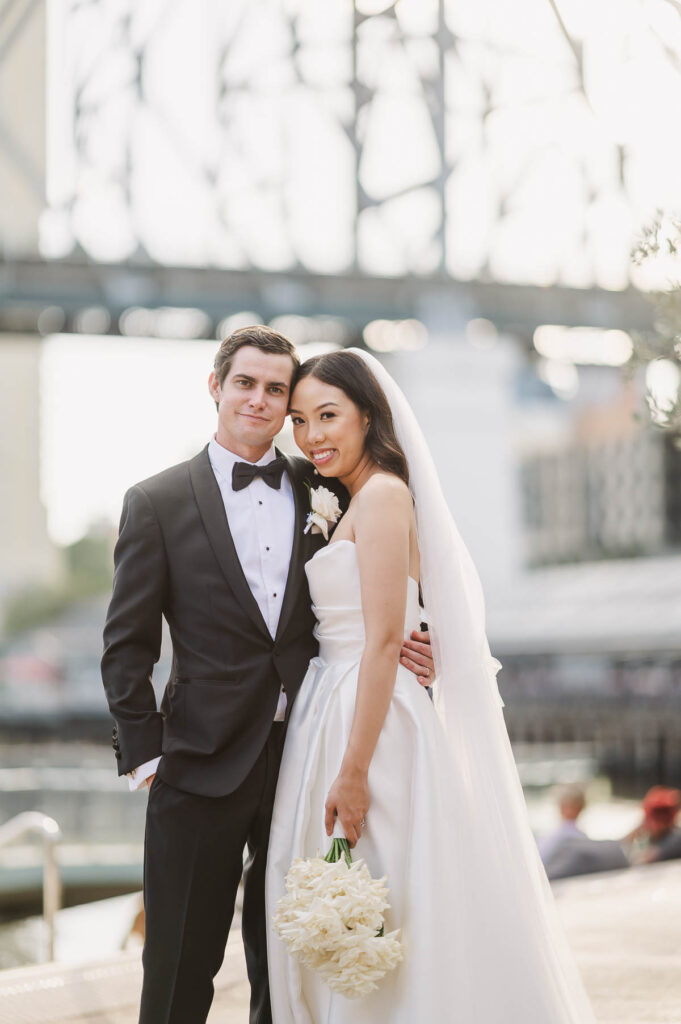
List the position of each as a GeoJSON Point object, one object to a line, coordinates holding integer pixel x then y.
{"type": "Point", "coordinates": [108, 991]}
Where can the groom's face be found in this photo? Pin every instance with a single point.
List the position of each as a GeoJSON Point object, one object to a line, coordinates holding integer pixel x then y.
{"type": "Point", "coordinates": [252, 401]}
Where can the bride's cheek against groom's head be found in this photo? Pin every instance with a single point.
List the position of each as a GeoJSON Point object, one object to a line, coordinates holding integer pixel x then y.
{"type": "Point", "coordinates": [327, 426]}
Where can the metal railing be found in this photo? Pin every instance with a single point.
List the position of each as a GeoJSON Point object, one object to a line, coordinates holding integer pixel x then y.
{"type": "Point", "coordinates": [24, 824]}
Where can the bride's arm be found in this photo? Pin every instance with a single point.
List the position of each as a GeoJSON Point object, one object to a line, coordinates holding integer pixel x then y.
{"type": "Point", "coordinates": [382, 520]}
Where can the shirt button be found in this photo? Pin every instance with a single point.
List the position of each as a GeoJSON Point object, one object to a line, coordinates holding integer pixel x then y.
{"type": "Point", "coordinates": [259, 503]}
{"type": "Point", "coordinates": [274, 595]}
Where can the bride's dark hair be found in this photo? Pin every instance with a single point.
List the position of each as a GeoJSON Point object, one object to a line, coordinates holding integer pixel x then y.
{"type": "Point", "coordinates": [349, 373]}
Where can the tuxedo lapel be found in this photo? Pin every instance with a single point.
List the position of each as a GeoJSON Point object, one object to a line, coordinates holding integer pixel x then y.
{"type": "Point", "coordinates": [212, 510]}
{"type": "Point", "coordinates": [305, 545]}
{"type": "Point", "coordinates": [299, 553]}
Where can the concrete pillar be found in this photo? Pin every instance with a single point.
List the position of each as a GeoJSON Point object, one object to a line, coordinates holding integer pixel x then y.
{"type": "Point", "coordinates": [22, 125]}
{"type": "Point", "coordinates": [27, 556]}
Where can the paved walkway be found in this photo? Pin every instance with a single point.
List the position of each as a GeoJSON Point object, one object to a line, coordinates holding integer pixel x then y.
{"type": "Point", "coordinates": [625, 928]}
{"type": "Point", "coordinates": [107, 992]}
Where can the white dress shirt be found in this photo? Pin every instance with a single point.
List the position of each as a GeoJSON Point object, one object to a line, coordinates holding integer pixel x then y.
{"type": "Point", "coordinates": [261, 521]}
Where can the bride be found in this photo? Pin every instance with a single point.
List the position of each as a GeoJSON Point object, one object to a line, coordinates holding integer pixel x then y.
{"type": "Point", "coordinates": [427, 794]}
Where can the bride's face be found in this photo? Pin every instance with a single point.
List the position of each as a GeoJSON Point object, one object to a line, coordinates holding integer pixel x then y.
{"type": "Point", "coordinates": [328, 427]}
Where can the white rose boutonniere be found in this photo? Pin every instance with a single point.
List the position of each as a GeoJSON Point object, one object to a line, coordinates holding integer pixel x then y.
{"type": "Point", "coordinates": [325, 511]}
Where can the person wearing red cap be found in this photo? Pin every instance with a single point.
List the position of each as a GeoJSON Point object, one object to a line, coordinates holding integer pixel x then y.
{"type": "Point", "coordinates": [657, 838]}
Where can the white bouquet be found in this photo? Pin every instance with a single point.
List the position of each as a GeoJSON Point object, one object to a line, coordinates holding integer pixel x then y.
{"type": "Point", "coordinates": [332, 921]}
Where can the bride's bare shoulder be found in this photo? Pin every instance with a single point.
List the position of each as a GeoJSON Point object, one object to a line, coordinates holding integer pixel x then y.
{"type": "Point", "coordinates": [382, 491]}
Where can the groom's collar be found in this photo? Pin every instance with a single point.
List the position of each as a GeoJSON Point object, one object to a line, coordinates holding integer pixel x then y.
{"type": "Point", "coordinates": [223, 461]}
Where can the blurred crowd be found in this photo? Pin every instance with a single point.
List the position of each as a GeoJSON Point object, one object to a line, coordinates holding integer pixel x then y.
{"type": "Point", "coordinates": [568, 850]}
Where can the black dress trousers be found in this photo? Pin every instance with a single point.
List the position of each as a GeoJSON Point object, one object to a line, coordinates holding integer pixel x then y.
{"type": "Point", "coordinates": [193, 862]}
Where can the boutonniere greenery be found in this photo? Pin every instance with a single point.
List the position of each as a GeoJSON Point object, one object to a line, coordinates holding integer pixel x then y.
{"type": "Point", "coordinates": [325, 511]}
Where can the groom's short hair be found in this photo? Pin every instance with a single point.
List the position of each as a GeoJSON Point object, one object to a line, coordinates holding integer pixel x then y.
{"type": "Point", "coordinates": [257, 336]}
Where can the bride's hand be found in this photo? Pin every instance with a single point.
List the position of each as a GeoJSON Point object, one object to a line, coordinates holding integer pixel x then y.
{"type": "Point", "coordinates": [348, 798]}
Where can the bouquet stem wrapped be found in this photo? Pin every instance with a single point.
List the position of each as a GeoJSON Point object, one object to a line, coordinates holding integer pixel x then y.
{"type": "Point", "coordinates": [339, 848]}
{"type": "Point", "coordinates": [332, 920]}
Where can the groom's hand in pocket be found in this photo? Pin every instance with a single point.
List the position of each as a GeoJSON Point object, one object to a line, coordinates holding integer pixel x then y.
{"type": "Point", "coordinates": [417, 656]}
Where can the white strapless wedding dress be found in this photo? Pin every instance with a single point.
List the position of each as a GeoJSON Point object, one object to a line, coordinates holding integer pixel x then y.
{"type": "Point", "coordinates": [460, 967]}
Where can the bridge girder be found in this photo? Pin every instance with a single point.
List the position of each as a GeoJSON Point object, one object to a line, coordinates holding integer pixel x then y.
{"type": "Point", "coordinates": [28, 287]}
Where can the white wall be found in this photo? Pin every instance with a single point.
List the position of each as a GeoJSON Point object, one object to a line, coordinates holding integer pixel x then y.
{"type": "Point", "coordinates": [463, 398]}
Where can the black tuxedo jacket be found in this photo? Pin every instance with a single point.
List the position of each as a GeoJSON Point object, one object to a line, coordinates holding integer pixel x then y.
{"type": "Point", "coordinates": [175, 557]}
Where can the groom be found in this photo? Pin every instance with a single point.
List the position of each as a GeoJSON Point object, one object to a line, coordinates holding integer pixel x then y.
{"type": "Point", "coordinates": [216, 545]}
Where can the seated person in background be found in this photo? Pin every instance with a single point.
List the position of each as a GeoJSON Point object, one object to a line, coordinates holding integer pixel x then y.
{"type": "Point", "coordinates": [568, 851]}
{"type": "Point", "coordinates": [657, 837]}
{"type": "Point", "coordinates": [571, 802]}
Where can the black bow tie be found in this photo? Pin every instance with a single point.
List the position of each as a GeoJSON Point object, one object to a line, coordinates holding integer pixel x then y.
{"type": "Point", "coordinates": [244, 472]}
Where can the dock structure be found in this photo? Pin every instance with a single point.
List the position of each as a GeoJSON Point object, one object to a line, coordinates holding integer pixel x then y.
{"type": "Point", "coordinates": [625, 929]}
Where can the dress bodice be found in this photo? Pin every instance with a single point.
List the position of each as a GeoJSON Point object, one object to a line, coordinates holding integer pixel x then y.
{"type": "Point", "coordinates": [333, 577]}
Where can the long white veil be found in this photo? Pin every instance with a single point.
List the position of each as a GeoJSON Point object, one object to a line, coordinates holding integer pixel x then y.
{"type": "Point", "coordinates": [497, 851]}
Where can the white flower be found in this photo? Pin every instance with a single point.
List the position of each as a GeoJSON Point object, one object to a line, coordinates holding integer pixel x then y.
{"type": "Point", "coordinates": [325, 511]}
{"type": "Point", "coordinates": [362, 961]}
{"type": "Point", "coordinates": [331, 919]}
